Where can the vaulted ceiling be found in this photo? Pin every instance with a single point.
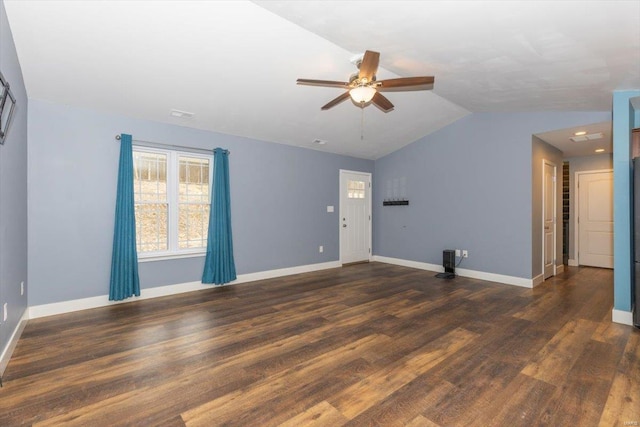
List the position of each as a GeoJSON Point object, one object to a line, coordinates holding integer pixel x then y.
{"type": "Point", "coordinates": [234, 64]}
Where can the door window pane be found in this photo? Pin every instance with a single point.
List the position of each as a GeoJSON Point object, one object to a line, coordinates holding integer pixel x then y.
{"type": "Point", "coordinates": [355, 189]}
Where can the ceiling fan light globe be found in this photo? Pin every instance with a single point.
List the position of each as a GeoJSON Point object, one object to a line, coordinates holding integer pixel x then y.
{"type": "Point", "coordinates": [362, 94]}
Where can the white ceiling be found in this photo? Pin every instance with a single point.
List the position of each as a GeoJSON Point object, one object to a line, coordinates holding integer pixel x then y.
{"type": "Point", "coordinates": [234, 64]}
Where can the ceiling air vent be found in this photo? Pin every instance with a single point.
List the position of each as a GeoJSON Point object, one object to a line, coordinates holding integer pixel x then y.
{"type": "Point", "coordinates": [181, 114]}
{"type": "Point", "coordinates": [589, 137]}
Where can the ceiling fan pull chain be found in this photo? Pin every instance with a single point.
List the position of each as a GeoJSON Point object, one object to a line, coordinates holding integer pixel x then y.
{"type": "Point", "coordinates": [362, 122]}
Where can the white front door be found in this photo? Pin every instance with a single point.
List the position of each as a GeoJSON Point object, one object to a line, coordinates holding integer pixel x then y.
{"type": "Point", "coordinates": [355, 216]}
{"type": "Point", "coordinates": [548, 218]}
{"type": "Point", "coordinates": [595, 219]}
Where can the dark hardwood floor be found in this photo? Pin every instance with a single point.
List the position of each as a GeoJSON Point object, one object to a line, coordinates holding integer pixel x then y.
{"type": "Point", "coordinates": [368, 344]}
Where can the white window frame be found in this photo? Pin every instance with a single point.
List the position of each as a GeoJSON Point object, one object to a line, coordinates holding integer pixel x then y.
{"type": "Point", "coordinates": [173, 172]}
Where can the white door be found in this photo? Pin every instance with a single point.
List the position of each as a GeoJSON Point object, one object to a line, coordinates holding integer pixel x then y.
{"type": "Point", "coordinates": [548, 218]}
{"type": "Point", "coordinates": [595, 219]}
{"type": "Point", "coordinates": [355, 216]}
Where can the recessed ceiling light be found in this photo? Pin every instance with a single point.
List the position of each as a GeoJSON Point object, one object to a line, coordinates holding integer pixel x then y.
{"type": "Point", "coordinates": [319, 141]}
{"type": "Point", "coordinates": [600, 150]}
{"type": "Point", "coordinates": [582, 132]}
{"type": "Point", "coordinates": [181, 114]}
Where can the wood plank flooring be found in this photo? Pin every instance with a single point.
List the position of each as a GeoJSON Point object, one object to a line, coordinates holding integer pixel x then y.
{"type": "Point", "coordinates": [368, 344]}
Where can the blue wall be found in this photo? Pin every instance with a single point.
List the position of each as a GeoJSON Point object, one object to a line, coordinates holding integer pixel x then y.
{"type": "Point", "coordinates": [13, 192]}
{"type": "Point", "coordinates": [470, 187]}
{"type": "Point", "coordinates": [624, 119]}
{"type": "Point", "coordinates": [279, 199]}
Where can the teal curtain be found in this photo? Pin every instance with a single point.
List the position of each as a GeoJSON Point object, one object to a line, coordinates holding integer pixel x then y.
{"type": "Point", "coordinates": [219, 267]}
{"type": "Point", "coordinates": [124, 281]}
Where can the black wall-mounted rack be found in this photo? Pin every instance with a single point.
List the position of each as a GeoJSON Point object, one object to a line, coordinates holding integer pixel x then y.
{"type": "Point", "coordinates": [395, 203]}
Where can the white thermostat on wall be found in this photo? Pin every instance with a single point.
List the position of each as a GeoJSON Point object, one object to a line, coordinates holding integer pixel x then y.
{"type": "Point", "coordinates": [329, 208]}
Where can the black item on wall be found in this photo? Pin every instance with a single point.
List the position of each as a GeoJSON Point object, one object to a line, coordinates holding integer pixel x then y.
{"type": "Point", "coordinates": [449, 264]}
{"type": "Point", "coordinates": [7, 105]}
{"type": "Point", "coordinates": [395, 203]}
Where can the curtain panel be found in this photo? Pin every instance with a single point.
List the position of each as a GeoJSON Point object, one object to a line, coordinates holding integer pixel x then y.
{"type": "Point", "coordinates": [124, 281]}
{"type": "Point", "coordinates": [219, 266]}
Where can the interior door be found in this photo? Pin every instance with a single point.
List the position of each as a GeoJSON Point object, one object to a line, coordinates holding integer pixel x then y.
{"type": "Point", "coordinates": [549, 218]}
{"type": "Point", "coordinates": [355, 216]}
{"type": "Point", "coordinates": [595, 219]}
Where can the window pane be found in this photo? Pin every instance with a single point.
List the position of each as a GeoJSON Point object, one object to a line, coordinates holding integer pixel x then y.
{"type": "Point", "coordinates": [150, 194]}
{"type": "Point", "coordinates": [150, 176]}
{"type": "Point", "coordinates": [151, 226]}
{"type": "Point", "coordinates": [193, 179]}
{"type": "Point", "coordinates": [355, 189]}
{"type": "Point", "coordinates": [193, 223]}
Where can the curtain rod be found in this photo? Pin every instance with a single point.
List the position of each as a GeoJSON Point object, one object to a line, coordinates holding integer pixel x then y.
{"type": "Point", "coordinates": [172, 146]}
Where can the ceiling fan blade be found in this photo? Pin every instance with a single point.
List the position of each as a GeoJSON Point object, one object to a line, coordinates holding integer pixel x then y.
{"type": "Point", "coordinates": [405, 84]}
{"type": "Point", "coordinates": [369, 65]}
{"type": "Point", "coordinates": [383, 103]}
{"type": "Point", "coordinates": [325, 83]}
{"type": "Point", "coordinates": [336, 101]}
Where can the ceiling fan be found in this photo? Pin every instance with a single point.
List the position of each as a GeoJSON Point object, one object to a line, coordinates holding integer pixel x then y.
{"type": "Point", "coordinates": [363, 88]}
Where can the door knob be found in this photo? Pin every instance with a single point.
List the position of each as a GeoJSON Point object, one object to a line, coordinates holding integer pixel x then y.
{"type": "Point", "coordinates": [546, 228]}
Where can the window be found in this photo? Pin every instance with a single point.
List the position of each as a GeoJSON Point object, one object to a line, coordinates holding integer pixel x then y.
{"type": "Point", "coordinates": [355, 189]}
{"type": "Point", "coordinates": [172, 199]}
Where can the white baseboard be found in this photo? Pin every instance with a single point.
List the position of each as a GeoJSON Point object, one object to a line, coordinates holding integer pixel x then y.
{"type": "Point", "coordinates": [620, 316]}
{"type": "Point", "coordinates": [13, 341]}
{"type": "Point", "coordinates": [270, 274]}
{"type": "Point", "coordinates": [492, 277]}
{"type": "Point", "coordinates": [537, 280]}
{"type": "Point", "coordinates": [463, 272]}
{"type": "Point", "coordinates": [573, 262]}
{"type": "Point", "coordinates": [161, 291]}
{"type": "Point", "coordinates": [407, 263]}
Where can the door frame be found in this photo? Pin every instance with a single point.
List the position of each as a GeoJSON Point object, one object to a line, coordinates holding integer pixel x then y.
{"type": "Point", "coordinates": [576, 210]}
{"type": "Point", "coordinates": [341, 194]}
{"type": "Point", "coordinates": [546, 162]}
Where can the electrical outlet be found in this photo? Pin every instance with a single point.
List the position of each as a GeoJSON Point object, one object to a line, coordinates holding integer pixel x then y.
{"type": "Point", "coordinates": [321, 249]}
{"type": "Point", "coordinates": [5, 315]}
{"type": "Point", "coordinates": [465, 253]}
{"type": "Point", "coordinates": [458, 253]}
{"type": "Point", "coordinates": [21, 288]}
